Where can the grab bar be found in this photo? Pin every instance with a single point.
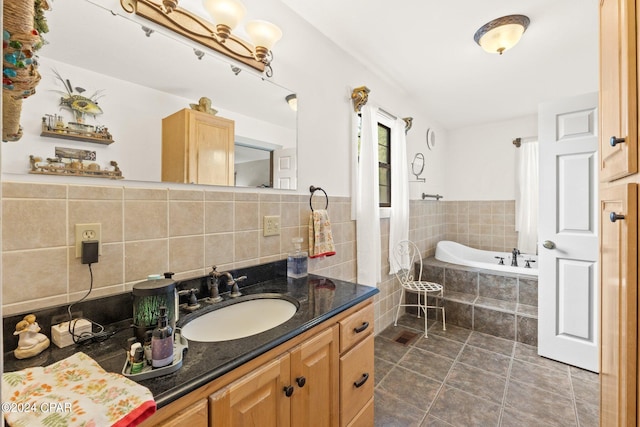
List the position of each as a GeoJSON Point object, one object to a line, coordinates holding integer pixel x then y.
{"type": "Point", "coordinates": [433, 196]}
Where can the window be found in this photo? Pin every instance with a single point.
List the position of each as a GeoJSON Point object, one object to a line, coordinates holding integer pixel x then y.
{"type": "Point", "coordinates": [384, 165]}
{"type": "Point", "coordinates": [384, 160]}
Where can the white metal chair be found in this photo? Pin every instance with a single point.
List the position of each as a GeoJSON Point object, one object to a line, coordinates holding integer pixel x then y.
{"type": "Point", "coordinates": [406, 255]}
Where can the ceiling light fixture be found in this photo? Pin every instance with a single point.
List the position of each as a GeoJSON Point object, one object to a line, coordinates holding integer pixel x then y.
{"type": "Point", "coordinates": [502, 33]}
{"type": "Point", "coordinates": [218, 35]}
{"type": "Point", "coordinates": [292, 100]}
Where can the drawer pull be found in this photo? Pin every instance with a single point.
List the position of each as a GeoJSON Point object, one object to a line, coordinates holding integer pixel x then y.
{"type": "Point", "coordinates": [361, 381]}
{"type": "Point", "coordinates": [361, 328]}
{"type": "Point", "coordinates": [288, 391]}
{"type": "Point", "coordinates": [301, 381]}
{"type": "Point", "coordinates": [615, 141]}
{"type": "Point", "coordinates": [613, 217]}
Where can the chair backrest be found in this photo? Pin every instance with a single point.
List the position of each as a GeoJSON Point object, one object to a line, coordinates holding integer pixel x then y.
{"type": "Point", "coordinates": [406, 254]}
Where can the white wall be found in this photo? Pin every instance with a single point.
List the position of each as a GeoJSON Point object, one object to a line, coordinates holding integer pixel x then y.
{"type": "Point", "coordinates": [481, 159]}
{"type": "Point", "coordinates": [323, 77]}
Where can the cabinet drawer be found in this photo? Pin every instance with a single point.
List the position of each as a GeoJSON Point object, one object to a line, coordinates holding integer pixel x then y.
{"type": "Point", "coordinates": [356, 379]}
{"type": "Point", "coordinates": [364, 417]}
{"type": "Point", "coordinates": [356, 327]}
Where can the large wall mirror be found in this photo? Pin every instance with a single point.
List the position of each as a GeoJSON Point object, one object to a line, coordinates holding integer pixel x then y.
{"type": "Point", "coordinates": [139, 77]}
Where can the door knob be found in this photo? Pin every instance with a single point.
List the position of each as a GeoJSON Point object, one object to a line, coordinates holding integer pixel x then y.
{"type": "Point", "coordinates": [548, 244]}
{"type": "Point", "coordinates": [615, 141]}
{"type": "Point", "coordinates": [613, 217]}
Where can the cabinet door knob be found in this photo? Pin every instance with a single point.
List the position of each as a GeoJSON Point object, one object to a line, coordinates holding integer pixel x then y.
{"type": "Point", "coordinates": [362, 380]}
{"type": "Point", "coordinates": [614, 216]}
{"type": "Point", "coordinates": [288, 391]}
{"type": "Point", "coordinates": [361, 328]}
{"type": "Point", "coordinates": [301, 381]}
{"type": "Point", "coordinates": [615, 141]}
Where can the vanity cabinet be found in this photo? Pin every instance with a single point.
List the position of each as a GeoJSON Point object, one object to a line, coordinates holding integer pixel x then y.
{"type": "Point", "coordinates": [322, 377]}
{"type": "Point", "coordinates": [298, 388]}
{"type": "Point", "coordinates": [192, 416]}
{"type": "Point", "coordinates": [619, 179]}
{"type": "Point", "coordinates": [356, 369]}
{"type": "Point", "coordinates": [257, 399]}
{"type": "Point", "coordinates": [197, 148]}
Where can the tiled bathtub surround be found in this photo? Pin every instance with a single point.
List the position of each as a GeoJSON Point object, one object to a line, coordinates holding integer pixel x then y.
{"type": "Point", "coordinates": [486, 224]}
{"type": "Point", "coordinates": [491, 302]}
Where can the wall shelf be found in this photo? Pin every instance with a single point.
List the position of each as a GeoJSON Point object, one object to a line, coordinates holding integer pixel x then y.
{"type": "Point", "coordinates": [77, 135]}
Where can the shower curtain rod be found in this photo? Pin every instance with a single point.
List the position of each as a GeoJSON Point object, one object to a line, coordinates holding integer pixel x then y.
{"type": "Point", "coordinates": [518, 141]}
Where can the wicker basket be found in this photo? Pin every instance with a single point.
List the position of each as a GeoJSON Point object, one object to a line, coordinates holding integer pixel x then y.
{"type": "Point", "coordinates": [20, 74]}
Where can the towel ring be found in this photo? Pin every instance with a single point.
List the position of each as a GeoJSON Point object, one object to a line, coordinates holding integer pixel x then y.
{"type": "Point", "coordinates": [313, 189]}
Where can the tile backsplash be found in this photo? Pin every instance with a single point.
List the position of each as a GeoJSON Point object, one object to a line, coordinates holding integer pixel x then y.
{"type": "Point", "coordinates": [153, 230]}
{"type": "Point", "coordinates": [146, 231]}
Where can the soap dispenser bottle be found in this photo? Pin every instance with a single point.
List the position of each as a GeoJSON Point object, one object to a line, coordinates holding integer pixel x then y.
{"type": "Point", "coordinates": [162, 341]}
{"type": "Point", "coordinates": [297, 260]}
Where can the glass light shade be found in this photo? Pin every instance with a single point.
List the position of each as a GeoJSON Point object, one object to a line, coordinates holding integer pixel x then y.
{"type": "Point", "coordinates": [501, 34]}
{"type": "Point", "coordinates": [502, 38]}
{"type": "Point", "coordinates": [263, 34]}
{"type": "Point", "coordinates": [225, 12]}
{"type": "Point", "coordinates": [292, 100]}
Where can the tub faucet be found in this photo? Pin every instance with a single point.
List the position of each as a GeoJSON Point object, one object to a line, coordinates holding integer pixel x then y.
{"type": "Point", "coordinates": [514, 257]}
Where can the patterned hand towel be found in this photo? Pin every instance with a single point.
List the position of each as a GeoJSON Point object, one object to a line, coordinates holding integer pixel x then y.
{"type": "Point", "coordinates": [75, 391]}
{"type": "Point", "coordinates": [320, 237]}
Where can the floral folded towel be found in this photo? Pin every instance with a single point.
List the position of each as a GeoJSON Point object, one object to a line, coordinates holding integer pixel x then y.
{"type": "Point", "coordinates": [75, 391]}
{"type": "Point", "coordinates": [320, 237]}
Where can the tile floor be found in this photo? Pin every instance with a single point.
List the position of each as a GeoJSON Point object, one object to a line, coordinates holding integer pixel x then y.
{"type": "Point", "coordinates": [459, 377]}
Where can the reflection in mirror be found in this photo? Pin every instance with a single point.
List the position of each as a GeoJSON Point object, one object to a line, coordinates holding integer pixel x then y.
{"type": "Point", "coordinates": [141, 78]}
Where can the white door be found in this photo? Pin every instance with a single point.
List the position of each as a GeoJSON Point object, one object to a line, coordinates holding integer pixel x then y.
{"type": "Point", "coordinates": [284, 169]}
{"type": "Point", "coordinates": [568, 290]}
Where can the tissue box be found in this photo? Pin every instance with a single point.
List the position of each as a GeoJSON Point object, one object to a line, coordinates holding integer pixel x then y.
{"type": "Point", "coordinates": [60, 333]}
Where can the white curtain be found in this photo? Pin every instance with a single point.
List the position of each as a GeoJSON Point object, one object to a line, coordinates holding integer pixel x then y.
{"type": "Point", "coordinates": [399, 216]}
{"type": "Point", "coordinates": [367, 203]}
{"type": "Point", "coordinates": [527, 197]}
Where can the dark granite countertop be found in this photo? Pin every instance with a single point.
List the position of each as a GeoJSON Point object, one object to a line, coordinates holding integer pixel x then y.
{"type": "Point", "coordinates": [319, 298]}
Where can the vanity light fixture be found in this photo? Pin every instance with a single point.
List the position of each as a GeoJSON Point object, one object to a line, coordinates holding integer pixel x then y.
{"type": "Point", "coordinates": [292, 100]}
{"type": "Point", "coordinates": [502, 33]}
{"type": "Point", "coordinates": [218, 36]}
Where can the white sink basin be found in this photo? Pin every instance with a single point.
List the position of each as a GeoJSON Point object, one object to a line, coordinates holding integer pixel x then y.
{"type": "Point", "coordinates": [239, 320]}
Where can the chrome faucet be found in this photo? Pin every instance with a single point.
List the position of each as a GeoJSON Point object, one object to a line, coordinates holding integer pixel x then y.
{"type": "Point", "coordinates": [514, 257]}
{"type": "Point", "coordinates": [213, 285]}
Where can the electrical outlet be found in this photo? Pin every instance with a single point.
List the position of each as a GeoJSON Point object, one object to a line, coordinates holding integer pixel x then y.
{"type": "Point", "coordinates": [86, 232]}
{"type": "Point", "coordinates": [271, 225]}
